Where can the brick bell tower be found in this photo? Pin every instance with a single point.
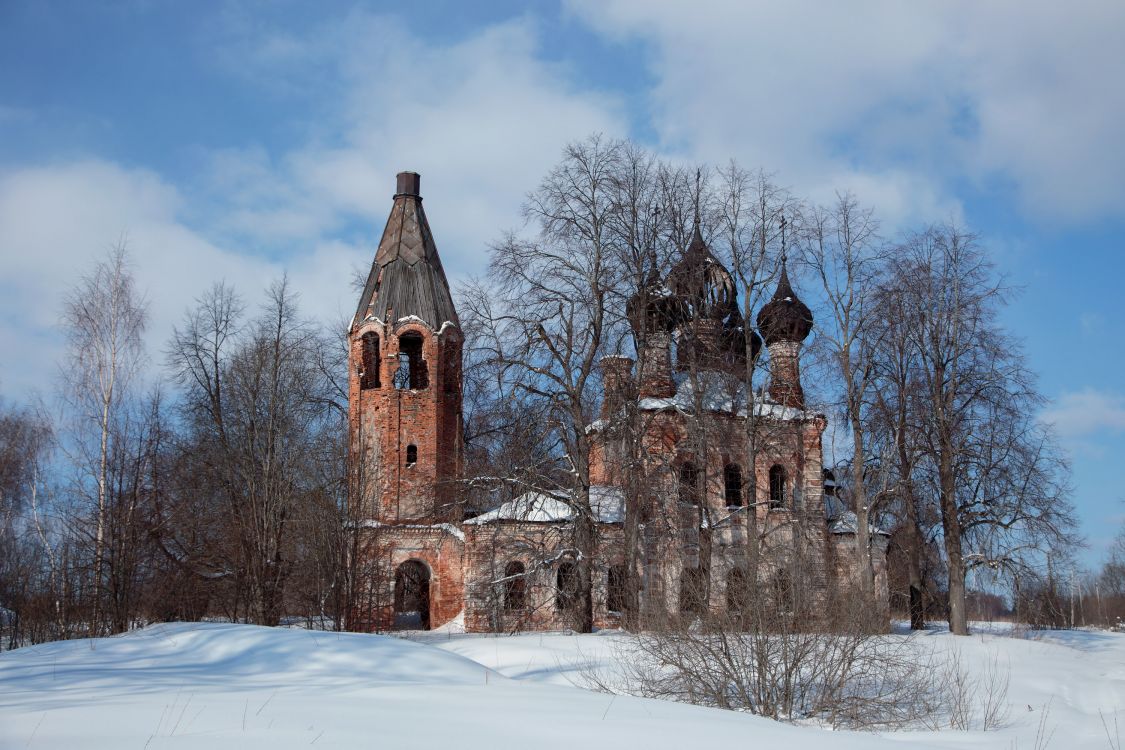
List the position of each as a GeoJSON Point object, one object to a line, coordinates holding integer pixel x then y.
{"type": "Point", "coordinates": [404, 381]}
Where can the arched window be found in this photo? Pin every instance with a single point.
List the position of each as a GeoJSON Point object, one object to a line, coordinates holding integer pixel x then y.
{"type": "Point", "coordinates": [777, 486]}
{"type": "Point", "coordinates": [566, 583]}
{"type": "Point", "coordinates": [689, 483]}
{"type": "Point", "coordinates": [369, 372]}
{"type": "Point", "coordinates": [411, 372]}
{"type": "Point", "coordinates": [616, 598]}
{"type": "Point", "coordinates": [514, 586]}
{"type": "Point", "coordinates": [783, 593]}
{"type": "Point", "coordinates": [411, 455]}
{"type": "Point", "coordinates": [738, 592]}
{"type": "Point", "coordinates": [693, 591]}
{"type": "Point", "coordinates": [732, 485]}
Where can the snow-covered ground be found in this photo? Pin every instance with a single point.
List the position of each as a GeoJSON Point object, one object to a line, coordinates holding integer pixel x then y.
{"type": "Point", "coordinates": [236, 686]}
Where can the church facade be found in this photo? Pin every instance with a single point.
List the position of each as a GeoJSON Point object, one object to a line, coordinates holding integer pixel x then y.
{"type": "Point", "coordinates": [688, 466]}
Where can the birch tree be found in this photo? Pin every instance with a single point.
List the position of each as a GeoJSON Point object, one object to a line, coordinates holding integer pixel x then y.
{"type": "Point", "coordinates": [104, 317]}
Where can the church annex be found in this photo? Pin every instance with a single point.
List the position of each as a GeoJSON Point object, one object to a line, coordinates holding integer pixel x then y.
{"type": "Point", "coordinates": [422, 564]}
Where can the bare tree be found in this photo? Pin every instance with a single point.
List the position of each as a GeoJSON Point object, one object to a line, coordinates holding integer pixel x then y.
{"type": "Point", "coordinates": [104, 318]}
{"type": "Point", "coordinates": [254, 405]}
{"type": "Point", "coordinates": [845, 257]}
{"type": "Point", "coordinates": [898, 396]}
{"type": "Point", "coordinates": [552, 319]}
{"type": "Point", "coordinates": [1000, 485]}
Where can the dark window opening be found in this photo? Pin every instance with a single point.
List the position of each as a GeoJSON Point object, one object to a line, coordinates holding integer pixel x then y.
{"type": "Point", "coordinates": [411, 455]}
{"type": "Point", "coordinates": [689, 483]}
{"type": "Point", "coordinates": [738, 592]}
{"type": "Point", "coordinates": [616, 597]}
{"type": "Point", "coordinates": [783, 592]}
{"type": "Point", "coordinates": [515, 586]}
{"type": "Point", "coordinates": [411, 372]}
{"type": "Point", "coordinates": [369, 372]}
{"type": "Point", "coordinates": [693, 591]}
{"type": "Point", "coordinates": [566, 583]}
{"type": "Point", "coordinates": [777, 486]}
{"type": "Point", "coordinates": [452, 375]}
{"type": "Point", "coordinates": [732, 485]}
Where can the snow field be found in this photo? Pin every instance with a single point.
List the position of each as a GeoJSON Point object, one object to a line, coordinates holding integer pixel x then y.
{"type": "Point", "coordinates": [217, 686]}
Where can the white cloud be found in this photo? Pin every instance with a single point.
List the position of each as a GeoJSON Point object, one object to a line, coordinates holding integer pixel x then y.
{"type": "Point", "coordinates": [1026, 94]}
{"type": "Point", "coordinates": [1087, 413]}
{"type": "Point", "coordinates": [481, 118]}
{"type": "Point", "coordinates": [54, 221]}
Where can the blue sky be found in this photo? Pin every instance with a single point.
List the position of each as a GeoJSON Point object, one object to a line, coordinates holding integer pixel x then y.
{"type": "Point", "coordinates": [237, 139]}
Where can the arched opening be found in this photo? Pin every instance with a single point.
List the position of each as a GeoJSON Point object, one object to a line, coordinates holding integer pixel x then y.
{"type": "Point", "coordinates": [617, 599]}
{"type": "Point", "coordinates": [515, 586]}
{"type": "Point", "coordinates": [566, 586]}
{"type": "Point", "coordinates": [412, 596]}
{"type": "Point", "coordinates": [738, 593]}
{"type": "Point", "coordinates": [777, 486]}
{"type": "Point", "coordinates": [689, 483]}
{"type": "Point", "coordinates": [411, 455]}
{"type": "Point", "coordinates": [369, 374]}
{"type": "Point", "coordinates": [693, 591]}
{"type": "Point", "coordinates": [783, 599]}
{"type": "Point", "coordinates": [732, 485]}
{"type": "Point", "coordinates": [412, 372]}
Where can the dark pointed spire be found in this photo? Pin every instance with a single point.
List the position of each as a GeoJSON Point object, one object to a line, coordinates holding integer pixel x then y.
{"type": "Point", "coordinates": [785, 317]}
{"type": "Point", "coordinates": [406, 278]}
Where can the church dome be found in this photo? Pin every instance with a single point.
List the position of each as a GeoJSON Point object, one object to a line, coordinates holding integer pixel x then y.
{"type": "Point", "coordinates": [785, 317]}
{"type": "Point", "coordinates": [702, 283]}
{"type": "Point", "coordinates": [734, 339]}
{"type": "Point", "coordinates": [654, 307]}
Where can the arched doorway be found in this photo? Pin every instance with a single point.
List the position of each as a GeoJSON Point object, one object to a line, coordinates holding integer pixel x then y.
{"type": "Point", "coordinates": [412, 596]}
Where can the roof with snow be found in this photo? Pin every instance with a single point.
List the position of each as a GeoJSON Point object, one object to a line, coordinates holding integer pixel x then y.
{"type": "Point", "coordinates": [844, 521]}
{"type": "Point", "coordinates": [607, 504]}
{"type": "Point", "coordinates": [407, 279]}
{"type": "Point", "coordinates": [718, 393]}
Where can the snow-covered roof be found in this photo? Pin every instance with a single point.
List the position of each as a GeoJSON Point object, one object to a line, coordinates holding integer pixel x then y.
{"type": "Point", "coordinates": [448, 528]}
{"type": "Point", "coordinates": [844, 521]}
{"type": "Point", "coordinates": [720, 394]}
{"type": "Point", "coordinates": [607, 503]}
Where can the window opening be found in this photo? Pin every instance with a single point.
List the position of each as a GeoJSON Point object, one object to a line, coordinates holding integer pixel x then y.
{"type": "Point", "coordinates": [777, 486]}
{"type": "Point", "coordinates": [369, 375]}
{"type": "Point", "coordinates": [411, 372]}
{"type": "Point", "coordinates": [566, 582]}
{"type": "Point", "coordinates": [689, 483]}
{"type": "Point", "coordinates": [515, 586]}
{"type": "Point", "coordinates": [732, 481]}
{"type": "Point", "coordinates": [616, 600]}
{"type": "Point", "coordinates": [693, 591]}
{"type": "Point", "coordinates": [738, 592]}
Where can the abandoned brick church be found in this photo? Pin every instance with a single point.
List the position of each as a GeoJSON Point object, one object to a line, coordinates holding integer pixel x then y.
{"type": "Point", "coordinates": [423, 564]}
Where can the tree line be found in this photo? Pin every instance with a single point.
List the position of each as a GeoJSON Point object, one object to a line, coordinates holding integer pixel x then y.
{"type": "Point", "coordinates": [210, 479]}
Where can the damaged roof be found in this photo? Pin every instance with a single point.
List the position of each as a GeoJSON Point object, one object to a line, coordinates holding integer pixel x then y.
{"type": "Point", "coordinates": [406, 278]}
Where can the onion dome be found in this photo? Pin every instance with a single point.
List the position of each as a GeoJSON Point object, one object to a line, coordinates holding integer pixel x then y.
{"type": "Point", "coordinates": [654, 307]}
{"type": "Point", "coordinates": [785, 317]}
{"type": "Point", "coordinates": [734, 339]}
{"type": "Point", "coordinates": [701, 282]}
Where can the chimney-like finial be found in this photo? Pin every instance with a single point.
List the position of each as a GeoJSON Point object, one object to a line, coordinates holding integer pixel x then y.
{"type": "Point", "coordinates": [409, 183]}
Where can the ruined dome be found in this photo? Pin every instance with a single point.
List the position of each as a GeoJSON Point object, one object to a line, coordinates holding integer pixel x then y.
{"type": "Point", "coordinates": [702, 283]}
{"type": "Point", "coordinates": [654, 307]}
{"type": "Point", "coordinates": [785, 317]}
{"type": "Point", "coordinates": [734, 339]}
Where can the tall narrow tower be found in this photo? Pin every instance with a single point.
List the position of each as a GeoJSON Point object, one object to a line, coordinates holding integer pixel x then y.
{"type": "Point", "coordinates": [405, 377]}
